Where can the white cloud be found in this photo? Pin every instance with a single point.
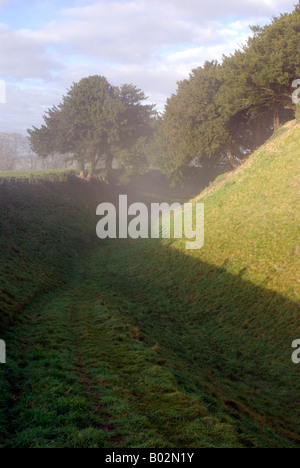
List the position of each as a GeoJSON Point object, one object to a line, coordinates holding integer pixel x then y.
{"type": "Point", "coordinates": [21, 56]}
{"type": "Point", "coordinates": [152, 44]}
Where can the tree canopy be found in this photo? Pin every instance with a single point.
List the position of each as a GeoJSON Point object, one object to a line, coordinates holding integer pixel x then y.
{"type": "Point", "coordinates": [227, 110]}
{"type": "Point", "coordinates": [193, 124]}
{"type": "Point", "coordinates": [259, 78]}
{"type": "Point", "coordinates": [222, 112]}
{"type": "Point", "coordinates": [96, 121]}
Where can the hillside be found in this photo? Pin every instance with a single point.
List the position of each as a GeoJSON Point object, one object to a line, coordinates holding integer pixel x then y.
{"type": "Point", "coordinates": [150, 345]}
{"type": "Point", "coordinates": [45, 227]}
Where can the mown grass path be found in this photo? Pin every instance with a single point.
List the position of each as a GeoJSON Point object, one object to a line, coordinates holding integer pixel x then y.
{"type": "Point", "coordinates": [88, 367]}
{"type": "Point", "coordinates": [144, 344]}
{"type": "Point", "coordinates": [79, 375]}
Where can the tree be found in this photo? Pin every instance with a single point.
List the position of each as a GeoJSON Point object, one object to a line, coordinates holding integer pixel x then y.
{"type": "Point", "coordinates": [258, 80]}
{"type": "Point", "coordinates": [192, 122]}
{"type": "Point", "coordinates": [9, 151]}
{"type": "Point", "coordinates": [134, 130]}
{"type": "Point", "coordinates": [27, 158]}
{"type": "Point", "coordinates": [95, 121]}
{"type": "Point", "coordinates": [157, 148]}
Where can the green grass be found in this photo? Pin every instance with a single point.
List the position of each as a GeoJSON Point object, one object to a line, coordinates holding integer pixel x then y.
{"type": "Point", "coordinates": [41, 174]}
{"type": "Point", "coordinates": [45, 228]}
{"type": "Point", "coordinates": [90, 381]}
{"type": "Point", "coordinates": [252, 217]}
{"type": "Point", "coordinates": [145, 344]}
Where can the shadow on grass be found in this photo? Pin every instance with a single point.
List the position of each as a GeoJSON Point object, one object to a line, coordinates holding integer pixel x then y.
{"type": "Point", "coordinates": [224, 338]}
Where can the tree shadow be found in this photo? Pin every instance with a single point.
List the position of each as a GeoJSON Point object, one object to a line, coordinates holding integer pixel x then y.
{"type": "Point", "coordinates": [153, 185]}
{"type": "Point", "coordinates": [224, 338]}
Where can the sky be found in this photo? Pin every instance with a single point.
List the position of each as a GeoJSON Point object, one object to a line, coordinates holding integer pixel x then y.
{"type": "Point", "coordinates": [46, 45]}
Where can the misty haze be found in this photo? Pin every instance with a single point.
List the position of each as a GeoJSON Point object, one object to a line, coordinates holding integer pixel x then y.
{"type": "Point", "coordinates": [149, 226]}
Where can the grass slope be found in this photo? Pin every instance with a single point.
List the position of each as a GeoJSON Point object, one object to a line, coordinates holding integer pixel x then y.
{"type": "Point", "coordinates": [150, 345]}
{"type": "Point", "coordinates": [44, 228]}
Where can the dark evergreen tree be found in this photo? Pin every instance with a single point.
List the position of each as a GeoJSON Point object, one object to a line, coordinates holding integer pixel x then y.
{"type": "Point", "coordinates": [258, 80]}
{"type": "Point", "coordinates": [96, 121]}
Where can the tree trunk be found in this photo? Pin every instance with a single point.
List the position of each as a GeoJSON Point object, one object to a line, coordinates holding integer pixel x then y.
{"type": "Point", "coordinates": [108, 161]}
{"type": "Point", "coordinates": [91, 169]}
{"type": "Point", "coordinates": [234, 163]}
{"type": "Point", "coordinates": [92, 162]}
{"type": "Point", "coordinates": [258, 133]}
{"type": "Point", "coordinates": [276, 119]}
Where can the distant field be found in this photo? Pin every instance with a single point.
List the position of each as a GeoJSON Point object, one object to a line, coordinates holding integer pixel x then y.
{"type": "Point", "coordinates": [28, 174]}
{"type": "Point", "coordinates": [33, 176]}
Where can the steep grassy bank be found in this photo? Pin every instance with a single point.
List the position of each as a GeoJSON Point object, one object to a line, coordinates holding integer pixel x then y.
{"type": "Point", "coordinates": [150, 345]}
{"type": "Point", "coordinates": [224, 317]}
{"type": "Point", "coordinates": [44, 228]}
{"type": "Point", "coordinates": [228, 314]}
